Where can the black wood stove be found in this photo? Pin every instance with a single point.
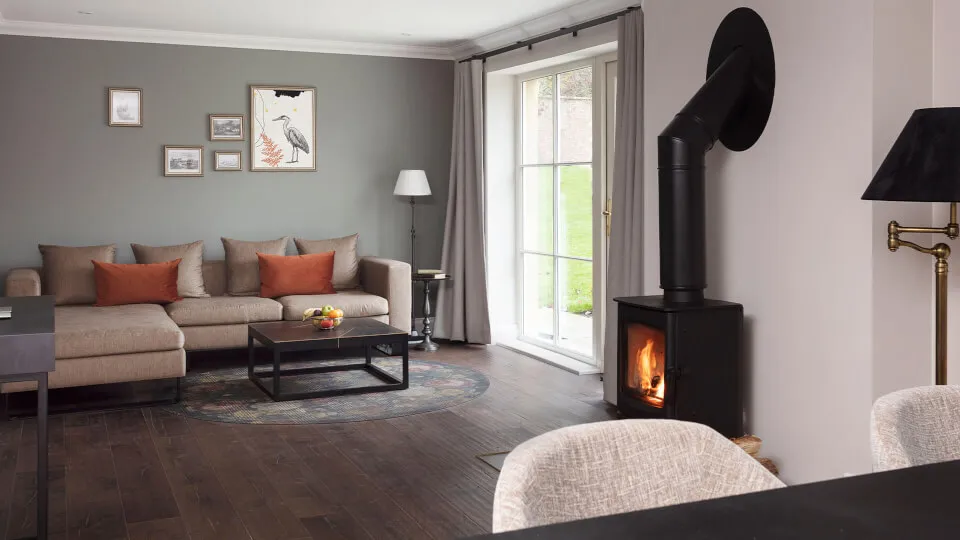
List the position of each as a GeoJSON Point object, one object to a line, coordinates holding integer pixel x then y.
{"type": "Point", "coordinates": [679, 355]}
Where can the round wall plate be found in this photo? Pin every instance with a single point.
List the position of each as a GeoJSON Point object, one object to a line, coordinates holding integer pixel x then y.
{"type": "Point", "coordinates": [743, 28]}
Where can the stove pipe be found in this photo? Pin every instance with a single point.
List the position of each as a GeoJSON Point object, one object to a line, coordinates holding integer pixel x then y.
{"type": "Point", "coordinates": [732, 106]}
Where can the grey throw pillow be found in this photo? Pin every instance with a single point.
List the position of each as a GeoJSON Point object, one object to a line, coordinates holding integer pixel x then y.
{"type": "Point", "coordinates": [190, 271]}
{"type": "Point", "coordinates": [243, 266]}
{"type": "Point", "coordinates": [346, 263]}
{"type": "Point", "coordinates": [68, 271]}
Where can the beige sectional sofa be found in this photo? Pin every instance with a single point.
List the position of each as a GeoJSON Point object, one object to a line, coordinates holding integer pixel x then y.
{"type": "Point", "coordinates": [99, 345]}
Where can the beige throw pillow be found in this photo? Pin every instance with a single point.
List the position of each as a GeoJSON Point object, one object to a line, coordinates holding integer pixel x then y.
{"type": "Point", "coordinates": [190, 271]}
{"type": "Point", "coordinates": [243, 266]}
{"type": "Point", "coordinates": [346, 264]}
{"type": "Point", "coordinates": [68, 271]}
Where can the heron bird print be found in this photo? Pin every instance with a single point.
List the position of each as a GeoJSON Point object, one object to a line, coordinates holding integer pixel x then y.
{"type": "Point", "coordinates": [294, 137]}
{"type": "Point", "coordinates": [283, 128]}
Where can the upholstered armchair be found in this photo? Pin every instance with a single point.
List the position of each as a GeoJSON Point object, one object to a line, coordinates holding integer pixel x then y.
{"type": "Point", "coordinates": [620, 466]}
{"type": "Point", "coordinates": [916, 426]}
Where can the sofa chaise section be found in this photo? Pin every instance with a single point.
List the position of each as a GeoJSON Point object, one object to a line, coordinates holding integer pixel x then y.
{"type": "Point", "coordinates": [100, 345]}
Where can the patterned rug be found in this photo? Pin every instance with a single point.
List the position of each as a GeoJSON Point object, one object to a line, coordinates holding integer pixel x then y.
{"type": "Point", "coordinates": [226, 395]}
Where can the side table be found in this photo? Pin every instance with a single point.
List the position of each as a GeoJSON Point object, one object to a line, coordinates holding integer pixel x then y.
{"type": "Point", "coordinates": [427, 344]}
{"type": "Point", "coordinates": [27, 354]}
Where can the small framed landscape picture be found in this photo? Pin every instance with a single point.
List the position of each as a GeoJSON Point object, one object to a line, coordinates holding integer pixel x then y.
{"type": "Point", "coordinates": [226, 127]}
{"type": "Point", "coordinates": [227, 161]}
{"type": "Point", "coordinates": [124, 107]}
{"type": "Point", "coordinates": [183, 161]}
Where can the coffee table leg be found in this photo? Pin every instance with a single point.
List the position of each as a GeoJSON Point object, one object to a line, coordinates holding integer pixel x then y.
{"type": "Point", "coordinates": [405, 347]}
{"type": "Point", "coordinates": [276, 375]}
{"type": "Point", "coordinates": [42, 472]}
{"type": "Point", "coordinates": [250, 357]}
{"type": "Point", "coordinates": [367, 351]}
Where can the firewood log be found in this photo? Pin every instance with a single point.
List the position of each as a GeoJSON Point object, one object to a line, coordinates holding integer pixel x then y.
{"type": "Point", "coordinates": [749, 443]}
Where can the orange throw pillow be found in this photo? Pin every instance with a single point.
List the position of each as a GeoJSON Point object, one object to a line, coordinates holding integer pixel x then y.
{"type": "Point", "coordinates": [119, 284]}
{"type": "Point", "coordinates": [282, 275]}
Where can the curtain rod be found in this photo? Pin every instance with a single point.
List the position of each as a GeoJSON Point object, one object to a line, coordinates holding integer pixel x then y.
{"type": "Point", "coordinates": [529, 43]}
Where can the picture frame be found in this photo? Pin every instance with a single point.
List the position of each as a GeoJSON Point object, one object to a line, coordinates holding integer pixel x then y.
{"type": "Point", "coordinates": [182, 160]}
{"type": "Point", "coordinates": [125, 107]}
{"type": "Point", "coordinates": [228, 160]}
{"type": "Point", "coordinates": [283, 128]}
{"type": "Point", "coordinates": [227, 127]}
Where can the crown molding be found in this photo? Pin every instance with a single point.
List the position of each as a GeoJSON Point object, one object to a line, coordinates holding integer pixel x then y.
{"type": "Point", "coordinates": [569, 16]}
{"type": "Point", "coordinates": [172, 37]}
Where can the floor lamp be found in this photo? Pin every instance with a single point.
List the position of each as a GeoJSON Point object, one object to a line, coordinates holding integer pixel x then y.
{"type": "Point", "coordinates": [413, 184]}
{"type": "Point", "coordinates": [924, 166]}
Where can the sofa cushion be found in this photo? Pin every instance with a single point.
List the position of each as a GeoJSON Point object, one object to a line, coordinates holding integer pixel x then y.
{"type": "Point", "coordinates": [285, 275]}
{"type": "Point", "coordinates": [68, 272]}
{"type": "Point", "coordinates": [189, 274]}
{"type": "Point", "coordinates": [120, 284]}
{"type": "Point", "coordinates": [97, 331]}
{"type": "Point", "coordinates": [223, 310]}
{"type": "Point", "coordinates": [243, 268]}
{"type": "Point", "coordinates": [346, 265]}
{"type": "Point", "coordinates": [354, 303]}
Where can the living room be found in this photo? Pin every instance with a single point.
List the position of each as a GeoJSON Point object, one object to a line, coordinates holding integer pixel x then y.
{"type": "Point", "coordinates": [445, 269]}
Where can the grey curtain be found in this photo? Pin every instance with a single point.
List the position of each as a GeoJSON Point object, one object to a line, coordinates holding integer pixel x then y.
{"type": "Point", "coordinates": [462, 311]}
{"type": "Point", "coordinates": [625, 256]}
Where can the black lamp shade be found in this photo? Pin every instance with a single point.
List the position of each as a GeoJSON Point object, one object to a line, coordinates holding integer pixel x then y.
{"type": "Point", "coordinates": [924, 163]}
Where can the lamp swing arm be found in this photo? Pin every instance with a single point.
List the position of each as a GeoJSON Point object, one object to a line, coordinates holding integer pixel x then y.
{"type": "Point", "coordinates": [894, 230]}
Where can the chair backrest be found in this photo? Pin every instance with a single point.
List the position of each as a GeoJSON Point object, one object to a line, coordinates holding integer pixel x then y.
{"type": "Point", "coordinates": [916, 426]}
{"type": "Point", "coordinates": [620, 466]}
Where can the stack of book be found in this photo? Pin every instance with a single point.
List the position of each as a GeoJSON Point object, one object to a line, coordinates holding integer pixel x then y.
{"type": "Point", "coordinates": [426, 273]}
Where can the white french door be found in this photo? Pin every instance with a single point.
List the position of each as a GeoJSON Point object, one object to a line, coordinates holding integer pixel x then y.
{"type": "Point", "coordinates": [561, 197]}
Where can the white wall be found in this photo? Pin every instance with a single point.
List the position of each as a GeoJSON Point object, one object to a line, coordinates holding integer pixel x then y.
{"type": "Point", "coordinates": [788, 236]}
{"type": "Point", "coordinates": [946, 93]}
{"type": "Point", "coordinates": [902, 281]}
{"type": "Point", "coordinates": [500, 175]}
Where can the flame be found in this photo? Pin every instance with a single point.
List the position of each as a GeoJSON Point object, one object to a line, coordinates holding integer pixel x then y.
{"type": "Point", "coordinates": [650, 374]}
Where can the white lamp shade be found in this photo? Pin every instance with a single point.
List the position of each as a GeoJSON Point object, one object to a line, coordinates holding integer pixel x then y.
{"type": "Point", "coordinates": [412, 183]}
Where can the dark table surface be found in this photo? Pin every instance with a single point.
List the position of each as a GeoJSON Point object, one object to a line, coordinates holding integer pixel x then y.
{"type": "Point", "coordinates": [26, 339]}
{"type": "Point", "coordinates": [916, 503]}
{"type": "Point", "coordinates": [304, 331]}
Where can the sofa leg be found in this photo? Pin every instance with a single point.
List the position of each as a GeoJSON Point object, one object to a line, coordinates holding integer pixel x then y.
{"type": "Point", "coordinates": [5, 406]}
{"type": "Point", "coordinates": [176, 399]}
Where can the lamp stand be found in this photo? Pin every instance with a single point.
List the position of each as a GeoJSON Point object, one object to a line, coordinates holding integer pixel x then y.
{"type": "Point", "coordinates": [413, 264]}
{"type": "Point", "coordinates": [941, 252]}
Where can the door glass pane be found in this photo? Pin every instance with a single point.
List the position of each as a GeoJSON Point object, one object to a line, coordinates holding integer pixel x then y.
{"type": "Point", "coordinates": [537, 121]}
{"type": "Point", "coordinates": [576, 306]}
{"type": "Point", "coordinates": [576, 115]}
{"type": "Point", "coordinates": [538, 296]}
{"type": "Point", "coordinates": [538, 209]}
{"type": "Point", "coordinates": [576, 211]}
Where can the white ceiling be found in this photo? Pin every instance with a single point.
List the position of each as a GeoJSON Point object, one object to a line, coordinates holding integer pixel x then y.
{"type": "Point", "coordinates": [434, 28]}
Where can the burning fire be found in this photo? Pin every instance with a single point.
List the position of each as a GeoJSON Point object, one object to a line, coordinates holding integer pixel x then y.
{"type": "Point", "coordinates": [649, 373]}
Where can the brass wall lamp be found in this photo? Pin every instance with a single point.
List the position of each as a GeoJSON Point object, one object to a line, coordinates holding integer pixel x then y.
{"type": "Point", "coordinates": [924, 166]}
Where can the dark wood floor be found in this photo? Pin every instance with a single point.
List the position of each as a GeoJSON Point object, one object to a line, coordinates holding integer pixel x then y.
{"type": "Point", "coordinates": [144, 474]}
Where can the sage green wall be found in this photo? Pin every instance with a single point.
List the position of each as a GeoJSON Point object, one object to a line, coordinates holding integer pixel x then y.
{"type": "Point", "coordinates": [68, 178]}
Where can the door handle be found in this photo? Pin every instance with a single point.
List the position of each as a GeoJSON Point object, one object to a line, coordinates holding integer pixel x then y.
{"type": "Point", "coordinates": [607, 212]}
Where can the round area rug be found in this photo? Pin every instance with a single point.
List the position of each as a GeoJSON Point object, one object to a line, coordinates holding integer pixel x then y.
{"type": "Point", "coordinates": [226, 395]}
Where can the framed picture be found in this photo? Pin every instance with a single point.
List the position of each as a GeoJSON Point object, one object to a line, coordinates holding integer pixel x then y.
{"type": "Point", "coordinates": [227, 161]}
{"type": "Point", "coordinates": [283, 124]}
{"type": "Point", "coordinates": [124, 107]}
{"type": "Point", "coordinates": [183, 161]}
{"type": "Point", "coordinates": [226, 127]}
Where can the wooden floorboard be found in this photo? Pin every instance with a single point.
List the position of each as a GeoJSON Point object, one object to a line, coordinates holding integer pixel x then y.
{"type": "Point", "coordinates": [146, 474]}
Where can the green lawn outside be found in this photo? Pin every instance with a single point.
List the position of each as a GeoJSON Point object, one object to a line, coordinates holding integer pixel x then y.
{"type": "Point", "coordinates": [576, 237]}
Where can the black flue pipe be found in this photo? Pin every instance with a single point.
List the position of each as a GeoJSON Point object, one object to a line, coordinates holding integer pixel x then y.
{"type": "Point", "coordinates": [682, 149]}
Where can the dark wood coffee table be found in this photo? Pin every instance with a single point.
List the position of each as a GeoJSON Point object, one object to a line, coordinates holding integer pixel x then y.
{"type": "Point", "coordinates": [287, 337]}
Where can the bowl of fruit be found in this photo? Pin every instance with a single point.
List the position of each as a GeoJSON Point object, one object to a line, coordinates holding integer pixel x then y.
{"type": "Point", "coordinates": [324, 318]}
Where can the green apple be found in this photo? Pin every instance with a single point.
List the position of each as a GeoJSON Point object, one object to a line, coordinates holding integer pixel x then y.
{"type": "Point", "coordinates": [325, 310]}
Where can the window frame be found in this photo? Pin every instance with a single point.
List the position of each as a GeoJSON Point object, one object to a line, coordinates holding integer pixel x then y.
{"type": "Point", "coordinates": [598, 65]}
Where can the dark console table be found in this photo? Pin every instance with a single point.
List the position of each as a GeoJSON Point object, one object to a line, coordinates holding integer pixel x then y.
{"type": "Point", "coordinates": [27, 354]}
{"type": "Point", "coordinates": [919, 502]}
